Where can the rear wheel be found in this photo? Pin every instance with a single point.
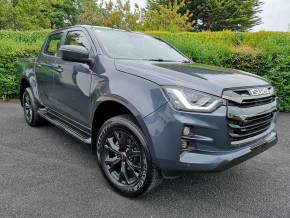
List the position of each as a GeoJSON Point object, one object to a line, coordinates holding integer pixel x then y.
{"type": "Point", "coordinates": [124, 157]}
{"type": "Point", "coordinates": [30, 109]}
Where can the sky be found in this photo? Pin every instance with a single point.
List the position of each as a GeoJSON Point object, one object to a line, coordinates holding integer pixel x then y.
{"type": "Point", "coordinates": [275, 15]}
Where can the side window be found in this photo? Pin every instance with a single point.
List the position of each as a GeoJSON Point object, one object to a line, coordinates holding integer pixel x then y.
{"type": "Point", "coordinates": [77, 38]}
{"type": "Point", "coordinates": [53, 44]}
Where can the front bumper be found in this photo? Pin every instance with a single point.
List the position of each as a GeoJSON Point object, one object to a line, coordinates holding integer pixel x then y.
{"type": "Point", "coordinates": [214, 151]}
{"type": "Point", "coordinates": [218, 161]}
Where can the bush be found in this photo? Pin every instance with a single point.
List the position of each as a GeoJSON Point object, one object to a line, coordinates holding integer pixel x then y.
{"type": "Point", "coordinates": [264, 53]}
{"type": "Point", "coordinates": [13, 45]}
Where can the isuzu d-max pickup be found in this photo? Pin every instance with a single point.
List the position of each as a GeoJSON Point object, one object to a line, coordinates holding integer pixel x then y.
{"type": "Point", "coordinates": [147, 110]}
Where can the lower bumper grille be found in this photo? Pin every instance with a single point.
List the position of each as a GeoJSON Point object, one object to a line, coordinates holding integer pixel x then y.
{"type": "Point", "coordinates": [240, 129]}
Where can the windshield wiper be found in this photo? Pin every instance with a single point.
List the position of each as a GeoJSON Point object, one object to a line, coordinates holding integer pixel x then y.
{"type": "Point", "coordinates": [164, 60]}
{"type": "Point", "coordinates": [159, 60]}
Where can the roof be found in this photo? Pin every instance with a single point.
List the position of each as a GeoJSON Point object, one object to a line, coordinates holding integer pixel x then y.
{"type": "Point", "coordinates": [89, 26]}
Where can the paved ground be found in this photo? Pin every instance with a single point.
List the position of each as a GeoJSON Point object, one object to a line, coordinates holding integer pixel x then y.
{"type": "Point", "coordinates": [44, 172]}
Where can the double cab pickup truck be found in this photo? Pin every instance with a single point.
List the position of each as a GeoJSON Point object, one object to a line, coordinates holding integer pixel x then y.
{"type": "Point", "coordinates": [147, 111]}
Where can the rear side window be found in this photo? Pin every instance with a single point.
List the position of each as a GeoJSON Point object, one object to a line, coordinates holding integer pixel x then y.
{"type": "Point", "coordinates": [53, 44]}
{"type": "Point", "coordinates": [77, 38]}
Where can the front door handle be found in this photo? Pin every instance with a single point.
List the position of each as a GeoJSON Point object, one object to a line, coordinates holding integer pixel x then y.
{"type": "Point", "coordinates": [58, 68]}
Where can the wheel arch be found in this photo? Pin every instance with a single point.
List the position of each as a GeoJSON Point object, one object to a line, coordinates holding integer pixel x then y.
{"type": "Point", "coordinates": [110, 106]}
{"type": "Point", "coordinates": [24, 83]}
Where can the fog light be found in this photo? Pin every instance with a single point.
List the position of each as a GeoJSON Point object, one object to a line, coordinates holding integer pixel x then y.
{"type": "Point", "coordinates": [184, 144]}
{"type": "Point", "coordinates": [186, 131]}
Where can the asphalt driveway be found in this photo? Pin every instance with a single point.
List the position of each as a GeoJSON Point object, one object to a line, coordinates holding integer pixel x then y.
{"type": "Point", "coordinates": [46, 173]}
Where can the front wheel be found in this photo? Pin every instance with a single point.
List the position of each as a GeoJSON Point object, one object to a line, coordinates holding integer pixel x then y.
{"type": "Point", "coordinates": [124, 158]}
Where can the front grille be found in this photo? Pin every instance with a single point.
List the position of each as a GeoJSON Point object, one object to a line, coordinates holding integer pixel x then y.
{"type": "Point", "coordinates": [254, 102]}
{"type": "Point", "coordinates": [249, 115]}
{"type": "Point", "coordinates": [249, 127]}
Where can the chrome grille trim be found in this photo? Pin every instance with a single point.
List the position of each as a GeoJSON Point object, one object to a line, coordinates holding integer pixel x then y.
{"type": "Point", "coordinates": [243, 98]}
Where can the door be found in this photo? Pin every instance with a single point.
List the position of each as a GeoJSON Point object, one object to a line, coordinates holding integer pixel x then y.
{"type": "Point", "coordinates": [45, 69]}
{"type": "Point", "coordinates": [72, 83]}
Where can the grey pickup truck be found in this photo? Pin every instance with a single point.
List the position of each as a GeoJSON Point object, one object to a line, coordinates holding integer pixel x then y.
{"type": "Point", "coordinates": [147, 111]}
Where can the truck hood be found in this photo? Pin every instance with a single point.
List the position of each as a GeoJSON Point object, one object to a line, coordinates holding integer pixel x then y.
{"type": "Point", "coordinates": [205, 78]}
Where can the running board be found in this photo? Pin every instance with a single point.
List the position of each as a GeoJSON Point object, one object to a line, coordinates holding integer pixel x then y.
{"type": "Point", "coordinates": [43, 113]}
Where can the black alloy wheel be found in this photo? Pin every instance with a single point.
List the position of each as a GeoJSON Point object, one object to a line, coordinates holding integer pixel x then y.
{"type": "Point", "coordinates": [124, 157]}
{"type": "Point", "coordinates": [30, 108]}
{"type": "Point", "coordinates": [27, 107]}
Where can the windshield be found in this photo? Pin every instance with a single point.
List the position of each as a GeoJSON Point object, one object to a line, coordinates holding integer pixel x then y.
{"type": "Point", "coordinates": [129, 45]}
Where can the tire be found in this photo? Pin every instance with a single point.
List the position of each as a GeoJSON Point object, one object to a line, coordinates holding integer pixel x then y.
{"type": "Point", "coordinates": [124, 158]}
{"type": "Point", "coordinates": [30, 108]}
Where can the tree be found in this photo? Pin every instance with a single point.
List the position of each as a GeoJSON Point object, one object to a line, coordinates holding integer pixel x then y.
{"type": "Point", "coordinates": [90, 13]}
{"type": "Point", "coordinates": [155, 4]}
{"type": "Point", "coordinates": [30, 15]}
{"type": "Point", "coordinates": [217, 15]}
{"type": "Point", "coordinates": [40, 14]}
{"type": "Point", "coordinates": [64, 13]}
{"type": "Point", "coordinates": [119, 15]}
{"type": "Point", "coordinates": [5, 14]}
{"type": "Point", "coordinates": [167, 18]}
{"type": "Point", "coordinates": [111, 14]}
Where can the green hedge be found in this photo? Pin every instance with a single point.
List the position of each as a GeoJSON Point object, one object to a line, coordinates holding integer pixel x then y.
{"type": "Point", "coordinates": [14, 45]}
{"type": "Point", "coordinates": [264, 53]}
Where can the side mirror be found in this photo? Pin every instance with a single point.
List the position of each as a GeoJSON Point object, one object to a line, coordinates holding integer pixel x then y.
{"type": "Point", "coordinates": [74, 53]}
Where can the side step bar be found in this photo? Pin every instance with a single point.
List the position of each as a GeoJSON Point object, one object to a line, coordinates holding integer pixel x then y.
{"type": "Point", "coordinates": [43, 112]}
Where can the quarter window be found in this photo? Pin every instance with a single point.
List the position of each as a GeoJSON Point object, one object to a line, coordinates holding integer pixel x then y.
{"type": "Point", "coordinates": [53, 44]}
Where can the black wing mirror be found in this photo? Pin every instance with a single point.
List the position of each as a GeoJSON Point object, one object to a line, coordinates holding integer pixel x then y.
{"type": "Point", "coordinates": [74, 53]}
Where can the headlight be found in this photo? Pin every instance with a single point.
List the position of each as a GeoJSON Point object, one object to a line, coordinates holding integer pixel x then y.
{"type": "Point", "coordinates": [190, 100]}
